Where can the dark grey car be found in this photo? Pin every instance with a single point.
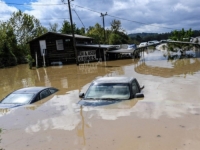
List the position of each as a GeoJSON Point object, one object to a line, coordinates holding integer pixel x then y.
{"type": "Point", "coordinates": [108, 90]}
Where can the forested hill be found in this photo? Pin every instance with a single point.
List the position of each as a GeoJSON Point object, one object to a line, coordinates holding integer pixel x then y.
{"type": "Point", "coordinates": [155, 36]}
{"type": "Point", "coordinates": [142, 35]}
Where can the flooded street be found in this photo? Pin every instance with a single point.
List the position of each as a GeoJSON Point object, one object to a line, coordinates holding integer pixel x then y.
{"type": "Point", "coordinates": [167, 118]}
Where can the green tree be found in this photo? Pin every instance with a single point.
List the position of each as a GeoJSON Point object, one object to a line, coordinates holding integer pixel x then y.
{"type": "Point", "coordinates": [8, 46]}
{"type": "Point", "coordinates": [115, 39]}
{"type": "Point", "coordinates": [97, 33]}
{"type": "Point", "coordinates": [118, 35]}
{"type": "Point", "coordinates": [181, 35]}
{"type": "Point", "coordinates": [26, 27]}
{"type": "Point", "coordinates": [66, 27]}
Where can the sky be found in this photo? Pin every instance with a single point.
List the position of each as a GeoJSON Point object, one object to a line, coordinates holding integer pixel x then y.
{"type": "Point", "coordinates": [136, 16]}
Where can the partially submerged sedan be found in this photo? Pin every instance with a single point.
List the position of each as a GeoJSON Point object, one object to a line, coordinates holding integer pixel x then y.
{"type": "Point", "coordinates": [25, 96]}
{"type": "Point", "coordinates": [109, 90]}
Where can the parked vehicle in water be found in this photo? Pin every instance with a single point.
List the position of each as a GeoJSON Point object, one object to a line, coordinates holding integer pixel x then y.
{"type": "Point", "coordinates": [109, 90]}
{"type": "Point", "coordinates": [153, 42]}
{"type": "Point", "coordinates": [143, 44]}
{"type": "Point", "coordinates": [25, 96]}
{"type": "Point", "coordinates": [132, 46]}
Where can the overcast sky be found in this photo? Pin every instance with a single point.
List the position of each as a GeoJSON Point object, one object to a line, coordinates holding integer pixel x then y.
{"type": "Point", "coordinates": [136, 16]}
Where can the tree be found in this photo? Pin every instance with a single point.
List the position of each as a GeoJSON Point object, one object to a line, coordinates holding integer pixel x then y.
{"type": "Point", "coordinates": [14, 35]}
{"type": "Point", "coordinates": [97, 33]}
{"type": "Point", "coordinates": [181, 35]}
{"type": "Point", "coordinates": [66, 27]}
{"type": "Point", "coordinates": [53, 27]}
{"type": "Point", "coordinates": [115, 39]}
{"type": "Point", "coordinates": [115, 26]}
{"type": "Point", "coordinates": [8, 46]}
{"type": "Point", "coordinates": [26, 27]}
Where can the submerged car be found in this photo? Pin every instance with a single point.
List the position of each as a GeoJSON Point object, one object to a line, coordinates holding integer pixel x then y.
{"type": "Point", "coordinates": [143, 44]}
{"type": "Point", "coordinates": [109, 90]}
{"type": "Point", "coordinates": [153, 42]}
{"type": "Point", "coordinates": [25, 96]}
{"type": "Point", "coordinates": [131, 46]}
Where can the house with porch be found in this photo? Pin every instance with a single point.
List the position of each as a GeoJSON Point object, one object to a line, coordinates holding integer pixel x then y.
{"type": "Point", "coordinates": [54, 47]}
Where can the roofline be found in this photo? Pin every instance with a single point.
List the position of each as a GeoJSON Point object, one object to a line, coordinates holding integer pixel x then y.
{"type": "Point", "coordinates": [61, 34]}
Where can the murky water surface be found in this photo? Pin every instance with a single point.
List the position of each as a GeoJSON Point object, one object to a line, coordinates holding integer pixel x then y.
{"type": "Point", "coordinates": [167, 118]}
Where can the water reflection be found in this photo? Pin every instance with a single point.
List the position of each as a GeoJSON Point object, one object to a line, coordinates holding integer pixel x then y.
{"type": "Point", "coordinates": [114, 111]}
{"type": "Point", "coordinates": [81, 127]}
{"type": "Point", "coordinates": [68, 77]}
{"type": "Point", "coordinates": [170, 101]}
{"type": "Point", "coordinates": [176, 64]}
{"type": "Point", "coordinates": [62, 114]}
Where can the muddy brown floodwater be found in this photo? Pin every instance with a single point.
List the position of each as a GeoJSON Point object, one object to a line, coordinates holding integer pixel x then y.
{"type": "Point", "coordinates": [167, 118]}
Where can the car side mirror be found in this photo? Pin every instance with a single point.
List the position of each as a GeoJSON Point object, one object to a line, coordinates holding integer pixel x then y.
{"type": "Point", "coordinates": [81, 95]}
{"type": "Point", "coordinates": [139, 95]}
{"type": "Point", "coordinates": [141, 87]}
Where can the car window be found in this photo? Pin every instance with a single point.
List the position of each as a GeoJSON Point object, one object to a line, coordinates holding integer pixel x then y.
{"type": "Point", "coordinates": [53, 90]}
{"type": "Point", "coordinates": [15, 98]}
{"type": "Point", "coordinates": [37, 98]}
{"type": "Point", "coordinates": [134, 88]}
{"type": "Point", "coordinates": [44, 93]}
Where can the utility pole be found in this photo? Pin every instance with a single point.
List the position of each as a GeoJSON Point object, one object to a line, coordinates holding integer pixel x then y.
{"type": "Point", "coordinates": [102, 15]}
{"type": "Point", "coordinates": [72, 29]}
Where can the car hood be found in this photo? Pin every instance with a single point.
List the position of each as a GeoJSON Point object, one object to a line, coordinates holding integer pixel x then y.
{"type": "Point", "coordinates": [85, 102]}
{"type": "Point", "coordinates": [9, 105]}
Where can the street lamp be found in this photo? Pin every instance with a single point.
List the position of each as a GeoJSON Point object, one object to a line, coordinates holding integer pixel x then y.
{"type": "Point", "coordinates": [102, 15]}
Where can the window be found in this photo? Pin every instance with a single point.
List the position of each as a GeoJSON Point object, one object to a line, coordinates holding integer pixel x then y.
{"type": "Point", "coordinates": [134, 88]}
{"type": "Point", "coordinates": [53, 90]}
{"type": "Point", "coordinates": [16, 98]}
{"type": "Point", "coordinates": [44, 94]}
{"type": "Point", "coordinates": [59, 44]}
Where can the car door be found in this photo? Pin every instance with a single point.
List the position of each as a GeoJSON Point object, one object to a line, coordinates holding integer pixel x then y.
{"type": "Point", "coordinates": [44, 93]}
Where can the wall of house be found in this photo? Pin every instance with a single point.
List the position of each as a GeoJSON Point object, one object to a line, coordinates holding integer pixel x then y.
{"type": "Point", "coordinates": [59, 48]}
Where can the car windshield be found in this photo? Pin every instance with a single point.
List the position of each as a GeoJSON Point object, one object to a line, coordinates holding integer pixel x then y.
{"type": "Point", "coordinates": [108, 91]}
{"type": "Point", "coordinates": [18, 98]}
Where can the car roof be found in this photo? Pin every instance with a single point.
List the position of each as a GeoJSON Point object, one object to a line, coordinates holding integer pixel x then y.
{"type": "Point", "coordinates": [31, 90]}
{"type": "Point", "coordinates": [113, 80]}
{"type": "Point", "coordinates": [143, 43]}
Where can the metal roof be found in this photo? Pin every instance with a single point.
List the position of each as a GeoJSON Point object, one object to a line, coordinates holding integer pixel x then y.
{"type": "Point", "coordinates": [97, 45]}
{"type": "Point", "coordinates": [61, 34]}
{"type": "Point", "coordinates": [122, 51]}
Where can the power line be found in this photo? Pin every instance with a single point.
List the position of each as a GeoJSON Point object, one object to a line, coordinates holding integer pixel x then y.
{"type": "Point", "coordinates": [140, 22]}
{"type": "Point", "coordinates": [78, 17]}
{"type": "Point", "coordinates": [123, 18]}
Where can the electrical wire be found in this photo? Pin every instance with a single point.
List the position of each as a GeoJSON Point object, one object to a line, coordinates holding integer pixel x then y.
{"type": "Point", "coordinates": [78, 17]}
